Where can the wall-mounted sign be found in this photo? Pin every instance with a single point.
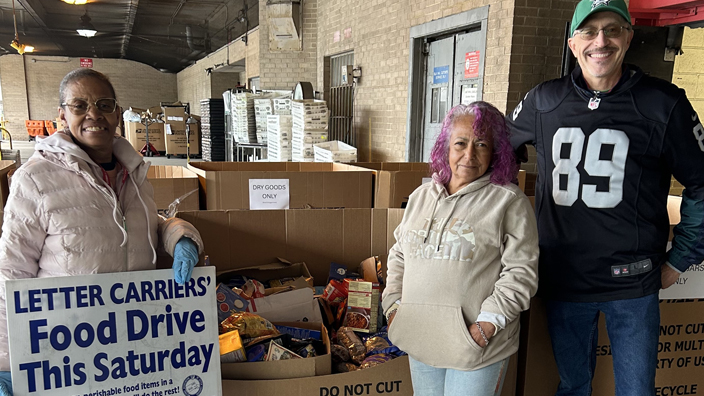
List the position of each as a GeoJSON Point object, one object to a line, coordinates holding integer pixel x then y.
{"type": "Point", "coordinates": [86, 62]}
{"type": "Point", "coordinates": [441, 74]}
{"type": "Point", "coordinates": [471, 64]}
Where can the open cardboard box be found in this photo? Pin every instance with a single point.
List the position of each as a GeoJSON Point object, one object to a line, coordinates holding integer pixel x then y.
{"type": "Point", "coordinates": [171, 182]}
{"type": "Point", "coordinates": [225, 185]}
{"type": "Point", "coordinates": [395, 181]}
{"type": "Point", "coordinates": [282, 369]}
{"type": "Point", "coordinates": [242, 238]}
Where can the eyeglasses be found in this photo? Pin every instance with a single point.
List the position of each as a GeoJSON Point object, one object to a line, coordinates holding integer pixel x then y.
{"type": "Point", "coordinates": [609, 31]}
{"type": "Point", "coordinates": [80, 106]}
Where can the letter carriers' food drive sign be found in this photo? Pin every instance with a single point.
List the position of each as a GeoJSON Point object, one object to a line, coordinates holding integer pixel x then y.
{"type": "Point", "coordinates": [268, 194]}
{"type": "Point", "coordinates": [130, 333]}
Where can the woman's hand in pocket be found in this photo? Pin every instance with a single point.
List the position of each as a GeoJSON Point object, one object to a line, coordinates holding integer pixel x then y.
{"type": "Point", "coordinates": [489, 330]}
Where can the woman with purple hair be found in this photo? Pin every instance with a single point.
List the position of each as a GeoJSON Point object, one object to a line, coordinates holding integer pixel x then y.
{"type": "Point", "coordinates": [465, 260]}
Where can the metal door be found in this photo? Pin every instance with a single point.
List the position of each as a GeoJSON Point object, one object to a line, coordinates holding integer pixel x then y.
{"type": "Point", "coordinates": [454, 75]}
{"type": "Point", "coordinates": [469, 68]}
{"type": "Point", "coordinates": [438, 94]}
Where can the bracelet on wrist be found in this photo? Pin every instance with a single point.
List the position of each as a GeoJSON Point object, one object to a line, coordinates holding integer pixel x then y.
{"type": "Point", "coordinates": [481, 331]}
{"type": "Point", "coordinates": [391, 312]}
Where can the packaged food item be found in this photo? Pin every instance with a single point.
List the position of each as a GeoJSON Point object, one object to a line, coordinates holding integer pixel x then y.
{"type": "Point", "coordinates": [339, 353]}
{"type": "Point", "coordinates": [375, 360]}
{"type": "Point", "coordinates": [231, 349]}
{"type": "Point", "coordinates": [297, 332]}
{"type": "Point", "coordinates": [278, 352]}
{"type": "Point", "coordinates": [229, 302]}
{"type": "Point", "coordinates": [235, 281]}
{"type": "Point", "coordinates": [337, 271]}
{"type": "Point", "coordinates": [362, 305]}
{"type": "Point", "coordinates": [335, 292]}
{"type": "Point", "coordinates": [248, 325]}
{"type": "Point", "coordinates": [307, 351]}
{"type": "Point", "coordinates": [375, 343]}
{"type": "Point", "coordinates": [347, 338]}
{"type": "Point", "coordinates": [253, 289]}
{"type": "Point", "coordinates": [344, 367]}
{"type": "Point", "coordinates": [256, 353]}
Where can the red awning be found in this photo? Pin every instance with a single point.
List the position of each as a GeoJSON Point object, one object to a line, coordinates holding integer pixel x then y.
{"type": "Point", "coordinates": [666, 12]}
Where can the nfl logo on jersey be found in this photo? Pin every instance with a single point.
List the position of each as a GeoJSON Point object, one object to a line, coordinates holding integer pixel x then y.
{"type": "Point", "coordinates": [599, 3]}
{"type": "Point", "coordinates": [617, 271]}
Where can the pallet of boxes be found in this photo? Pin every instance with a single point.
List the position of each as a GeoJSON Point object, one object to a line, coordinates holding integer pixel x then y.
{"type": "Point", "coordinates": [177, 143]}
{"type": "Point", "coordinates": [310, 126]}
{"type": "Point", "coordinates": [279, 131]}
{"type": "Point", "coordinates": [243, 118]}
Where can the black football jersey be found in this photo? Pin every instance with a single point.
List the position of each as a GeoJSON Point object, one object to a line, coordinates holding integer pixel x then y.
{"type": "Point", "coordinates": [604, 168]}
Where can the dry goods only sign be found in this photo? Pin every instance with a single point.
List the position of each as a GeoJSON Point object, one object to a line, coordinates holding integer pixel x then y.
{"type": "Point", "coordinates": [131, 333]}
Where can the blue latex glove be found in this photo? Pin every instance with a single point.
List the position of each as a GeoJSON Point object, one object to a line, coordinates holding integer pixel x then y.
{"type": "Point", "coordinates": [5, 383]}
{"type": "Point", "coordinates": [185, 258]}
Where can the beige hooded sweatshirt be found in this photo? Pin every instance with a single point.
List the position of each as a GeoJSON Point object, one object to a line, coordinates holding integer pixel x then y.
{"type": "Point", "coordinates": [456, 256]}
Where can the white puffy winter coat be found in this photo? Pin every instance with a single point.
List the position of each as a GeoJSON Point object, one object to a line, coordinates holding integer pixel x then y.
{"type": "Point", "coordinates": [62, 219]}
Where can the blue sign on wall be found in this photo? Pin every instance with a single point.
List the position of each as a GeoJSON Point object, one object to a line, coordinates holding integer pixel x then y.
{"type": "Point", "coordinates": [441, 74]}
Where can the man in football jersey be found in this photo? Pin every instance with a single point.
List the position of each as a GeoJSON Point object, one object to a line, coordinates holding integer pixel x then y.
{"type": "Point", "coordinates": [608, 139]}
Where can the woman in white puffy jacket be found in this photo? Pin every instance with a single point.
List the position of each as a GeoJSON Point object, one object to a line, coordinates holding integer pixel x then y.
{"type": "Point", "coordinates": [82, 203]}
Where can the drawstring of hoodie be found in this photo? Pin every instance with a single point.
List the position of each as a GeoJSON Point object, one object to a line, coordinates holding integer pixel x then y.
{"type": "Point", "coordinates": [146, 212]}
{"type": "Point", "coordinates": [444, 222]}
{"type": "Point", "coordinates": [114, 198]}
{"type": "Point", "coordinates": [430, 220]}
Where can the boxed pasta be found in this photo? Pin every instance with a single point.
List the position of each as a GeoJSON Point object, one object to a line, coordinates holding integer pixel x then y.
{"type": "Point", "coordinates": [362, 305]}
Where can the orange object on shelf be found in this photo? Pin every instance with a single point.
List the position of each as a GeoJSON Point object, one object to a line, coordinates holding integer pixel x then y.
{"type": "Point", "coordinates": [35, 127]}
{"type": "Point", "coordinates": [49, 124]}
{"type": "Point", "coordinates": [35, 131]}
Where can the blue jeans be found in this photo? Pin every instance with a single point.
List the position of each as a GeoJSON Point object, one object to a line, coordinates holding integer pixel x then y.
{"type": "Point", "coordinates": [633, 326]}
{"type": "Point", "coordinates": [433, 381]}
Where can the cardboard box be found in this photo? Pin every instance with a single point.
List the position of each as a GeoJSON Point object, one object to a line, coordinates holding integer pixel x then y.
{"type": "Point", "coordinates": [681, 329]}
{"type": "Point", "coordinates": [172, 182]}
{"type": "Point", "coordinates": [395, 181]}
{"type": "Point", "coordinates": [175, 132]}
{"type": "Point", "coordinates": [392, 378]}
{"type": "Point", "coordinates": [225, 185]}
{"type": "Point", "coordinates": [316, 237]}
{"type": "Point", "coordinates": [281, 369]}
{"type": "Point", "coordinates": [135, 133]}
{"type": "Point", "coordinates": [236, 239]}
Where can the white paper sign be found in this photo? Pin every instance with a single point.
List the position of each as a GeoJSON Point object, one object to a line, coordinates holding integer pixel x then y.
{"type": "Point", "coordinates": [469, 94]}
{"type": "Point", "coordinates": [128, 333]}
{"type": "Point", "coordinates": [690, 284]}
{"type": "Point", "coordinates": [267, 194]}
{"type": "Point", "coordinates": [167, 129]}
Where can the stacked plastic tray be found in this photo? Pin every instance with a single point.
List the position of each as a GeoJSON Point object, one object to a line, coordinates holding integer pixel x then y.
{"type": "Point", "coordinates": [243, 121]}
{"type": "Point", "coordinates": [279, 137]}
{"type": "Point", "coordinates": [262, 108]}
{"type": "Point", "coordinates": [310, 126]}
{"type": "Point", "coordinates": [213, 129]}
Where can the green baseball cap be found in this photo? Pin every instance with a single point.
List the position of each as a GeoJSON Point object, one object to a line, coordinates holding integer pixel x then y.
{"type": "Point", "coordinates": [585, 8]}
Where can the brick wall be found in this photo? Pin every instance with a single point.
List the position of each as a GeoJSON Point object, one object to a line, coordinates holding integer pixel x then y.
{"type": "Point", "coordinates": [380, 38]}
{"type": "Point", "coordinates": [36, 95]}
{"type": "Point", "coordinates": [195, 84]}
{"type": "Point", "coordinates": [14, 94]}
{"type": "Point", "coordinates": [536, 51]}
{"type": "Point", "coordinates": [283, 69]}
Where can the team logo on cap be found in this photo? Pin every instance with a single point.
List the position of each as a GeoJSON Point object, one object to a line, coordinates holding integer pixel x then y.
{"type": "Point", "coordinates": [599, 3]}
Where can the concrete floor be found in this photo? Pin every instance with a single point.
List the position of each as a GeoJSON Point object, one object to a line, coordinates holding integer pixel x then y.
{"type": "Point", "coordinates": [27, 149]}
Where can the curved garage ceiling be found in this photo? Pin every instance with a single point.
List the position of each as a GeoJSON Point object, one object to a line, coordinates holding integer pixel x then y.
{"type": "Point", "coordinates": [168, 35]}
